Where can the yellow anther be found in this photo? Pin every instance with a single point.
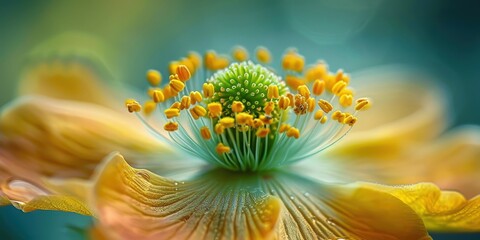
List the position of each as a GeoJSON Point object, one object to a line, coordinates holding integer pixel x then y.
{"type": "Point", "coordinates": [237, 107]}
{"type": "Point", "coordinates": [311, 104]}
{"type": "Point", "coordinates": [283, 102]}
{"type": "Point", "coordinates": [346, 100]}
{"type": "Point", "coordinates": [214, 109]}
{"type": "Point", "coordinates": [173, 76]}
{"type": "Point", "coordinates": [185, 103]}
{"type": "Point", "coordinates": [176, 105]}
{"type": "Point", "coordinates": [347, 90]}
{"type": "Point", "coordinates": [227, 122]}
{"type": "Point", "coordinates": [205, 132]}
{"type": "Point", "coordinates": [272, 92]}
{"type": "Point", "coordinates": [183, 73]}
{"type": "Point", "coordinates": [324, 119]}
{"type": "Point", "coordinates": [221, 149]}
{"type": "Point", "coordinates": [219, 129]}
{"type": "Point", "coordinates": [304, 91]}
{"type": "Point", "coordinates": [195, 59]}
{"type": "Point", "coordinates": [362, 104]}
{"type": "Point", "coordinates": [269, 107]}
{"type": "Point", "coordinates": [244, 119]}
{"type": "Point", "coordinates": [262, 132]}
{"type": "Point", "coordinates": [293, 132]}
{"type": "Point", "coordinates": [338, 87]}
{"type": "Point", "coordinates": [339, 75]}
{"type": "Point", "coordinates": [170, 126]}
{"type": "Point", "coordinates": [318, 87]}
{"type": "Point", "coordinates": [198, 111]}
{"type": "Point", "coordinates": [294, 82]}
{"type": "Point", "coordinates": [176, 85]}
{"type": "Point", "coordinates": [167, 92]}
{"type": "Point", "coordinates": [325, 105]}
{"type": "Point", "coordinates": [293, 61]}
{"type": "Point", "coordinates": [263, 55]}
{"type": "Point", "coordinates": [317, 71]}
{"type": "Point", "coordinates": [189, 64]}
{"type": "Point", "coordinates": [157, 96]}
{"type": "Point", "coordinates": [266, 119]}
{"type": "Point", "coordinates": [172, 112]}
{"type": "Point", "coordinates": [209, 59]}
{"type": "Point", "coordinates": [149, 107]}
{"type": "Point", "coordinates": [337, 115]}
{"type": "Point", "coordinates": [257, 123]}
{"type": "Point", "coordinates": [220, 63]}
{"type": "Point", "coordinates": [350, 120]}
{"type": "Point", "coordinates": [133, 106]}
{"type": "Point", "coordinates": [341, 117]}
{"type": "Point", "coordinates": [195, 97]}
{"type": "Point", "coordinates": [291, 97]}
{"type": "Point", "coordinates": [154, 77]}
{"type": "Point", "coordinates": [240, 54]}
{"type": "Point", "coordinates": [208, 90]}
{"type": "Point", "coordinates": [284, 127]}
{"type": "Point", "coordinates": [172, 67]}
{"type": "Point", "coordinates": [318, 115]}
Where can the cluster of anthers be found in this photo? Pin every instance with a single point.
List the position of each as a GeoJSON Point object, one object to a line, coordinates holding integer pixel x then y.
{"type": "Point", "coordinates": [244, 117]}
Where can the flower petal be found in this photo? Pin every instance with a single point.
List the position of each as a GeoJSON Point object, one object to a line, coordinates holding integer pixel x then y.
{"type": "Point", "coordinates": [67, 139]}
{"type": "Point", "coordinates": [66, 67]}
{"type": "Point", "coordinates": [28, 197]}
{"type": "Point", "coordinates": [407, 109]}
{"type": "Point", "coordinates": [440, 210]}
{"type": "Point", "coordinates": [136, 204]}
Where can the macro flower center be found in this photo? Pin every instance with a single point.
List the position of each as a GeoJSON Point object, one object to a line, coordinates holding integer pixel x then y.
{"type": "Point", "coordinates": [242, 116]}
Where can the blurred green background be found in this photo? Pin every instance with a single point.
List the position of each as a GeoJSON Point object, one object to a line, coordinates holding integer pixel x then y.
{"type": "Point", "coordinates": [439, 37]}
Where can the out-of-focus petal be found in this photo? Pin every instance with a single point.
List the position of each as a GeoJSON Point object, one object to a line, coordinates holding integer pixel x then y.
{"type": "Point", "coordinates": [407, 109]}
{"type": "Point", "coordinates": [440, 210]}
{"type": "Point", "coordinates": [67, 67]}
{"type": "Point", "coordinates": [67, 139]}
{"type": "Point", "coordinates": [451, 162]}
{"type": "Point", "coordinates": [136, 204]}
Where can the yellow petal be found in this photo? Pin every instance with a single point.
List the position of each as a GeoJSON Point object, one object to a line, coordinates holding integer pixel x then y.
{"type": "Point", "coordinates": [137, 204]}
{"type": "Point", "coordinates": [67, 67]}
{"type": "Point", "coordinates": [440, 210]}
{"type": "Point", "coordinates": [67, 139]}
{"type": "Point", "coordinates": [28, 197]}
{"type": "Point", "coordinates": [407, 109]}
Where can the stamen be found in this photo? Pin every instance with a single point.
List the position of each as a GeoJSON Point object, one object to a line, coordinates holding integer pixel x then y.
{"type": "Point", "coordinates": [246, 118]}
{"type": "Point", "coordinates": [183, 73]}
{"type": "Point", "coordinates": [133, 106]}
{"type": "Point", "coordinates": [154, 77]}
{"type": "Point", "coordinates": [205, 132]}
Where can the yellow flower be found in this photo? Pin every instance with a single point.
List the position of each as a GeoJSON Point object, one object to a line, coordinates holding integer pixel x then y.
{"type": "Point", "coordinates": [72, 151]}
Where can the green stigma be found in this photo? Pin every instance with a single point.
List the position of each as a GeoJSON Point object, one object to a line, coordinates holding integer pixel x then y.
{"type": "Point", "coordinates": [245, 82]}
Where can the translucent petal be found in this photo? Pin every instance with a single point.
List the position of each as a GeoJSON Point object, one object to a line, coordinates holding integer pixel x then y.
{"type": "Point", "coordinates": [407, 108]}
{"type": "Point", "coordinates": [440, 210]}
{"type": "Point", "coordinates": [136, 204]}
{"type": "Point", "coordinates": [68, 67]}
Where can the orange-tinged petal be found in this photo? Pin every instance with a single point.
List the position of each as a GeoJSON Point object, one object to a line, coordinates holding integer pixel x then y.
{"type": "Point", "coordinates": [137, 204]}
{"type": "Point", "coordinates": [67, 139]}
{"type": "Point", "coordinates": [440, 210]}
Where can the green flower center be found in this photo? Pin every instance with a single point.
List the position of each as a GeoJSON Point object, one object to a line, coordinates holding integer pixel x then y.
{"type": "Point", "coordinates": [245, 82]}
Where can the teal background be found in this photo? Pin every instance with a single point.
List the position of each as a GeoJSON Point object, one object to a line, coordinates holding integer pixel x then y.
{"type": "Point", "coordinates": [439, 37]}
